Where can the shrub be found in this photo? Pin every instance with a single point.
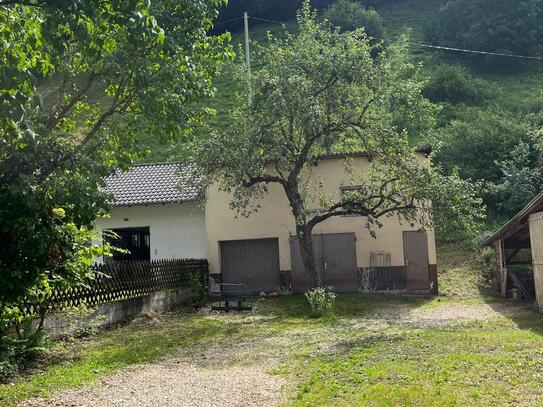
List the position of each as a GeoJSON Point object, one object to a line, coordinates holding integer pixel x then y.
{"type": "Point", "coordinates": [350, 15]}
{"type": "Point", "coordinates": [18, 352]}
{"type": "Point", "coordinates": [320, 300]}
{"type": "Point", "coordinates": [455, 84]}
{"type": "Point", "coordinates": [198, 284]}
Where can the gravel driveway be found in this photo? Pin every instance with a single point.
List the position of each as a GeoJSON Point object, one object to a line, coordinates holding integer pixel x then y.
{"type": "Point", "coordinates": [236, 371]}
{"type": "Point", "coordinates": [173, 383]}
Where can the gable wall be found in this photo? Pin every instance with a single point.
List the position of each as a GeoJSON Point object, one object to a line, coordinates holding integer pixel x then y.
{"type": "Point", "coordinates": [177, 231]}
{"type": "Point", "coordinates": [274, 219]}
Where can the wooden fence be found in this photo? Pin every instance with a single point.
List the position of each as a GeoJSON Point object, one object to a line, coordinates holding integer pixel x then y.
{"type": "Point", "coordinates": [123, 280]}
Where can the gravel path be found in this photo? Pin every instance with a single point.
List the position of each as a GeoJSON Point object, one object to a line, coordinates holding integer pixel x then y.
{"type": "Point", "coordinates": [172, 383]}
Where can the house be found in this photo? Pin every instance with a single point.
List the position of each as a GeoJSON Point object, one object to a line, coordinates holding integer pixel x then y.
{"type": "Point", "coordinates": [259, 250]}
{"type": "Point", "coordinates": [157, 213]}
{"type": "Point", "coordinates": [158, 203]}
{"type": "Point", "coordinates": [518, 247]}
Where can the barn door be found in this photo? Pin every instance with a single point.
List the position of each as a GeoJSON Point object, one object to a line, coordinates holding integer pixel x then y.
{"type": "Point", "coordinates": [254, 263]}
{"type": "Point", "coordinates": [301, 280]}
{"type": "Point", "coordinates": [415, 247]}
{"type": "Point", "coordinates": [339, 262]}
{"type": "Point", "coordinates": [335, 255]}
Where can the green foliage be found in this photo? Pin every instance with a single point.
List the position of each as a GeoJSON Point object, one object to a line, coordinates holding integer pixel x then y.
{"type": "Point", "coordinates": [479, 146]}
{"type": "Point", "coordinates": [521, 180]}
{"type": "Point", "coordinates": [319, 92]}
{"type": "Point", "coordinates": [198, 284]}
{"type": "Point", "coordinates": [321, 301]}
{"type": "Point", "coordinates": [475, 142]}
{"type": "Point", "coordinates": [122, 70]}
{"type": "Point", "coordinates": [282, 10]}
{"type": "Point", "coordinates": [455, 84]}
{"type": "Point", "coordinates": [350, 15]}
{"type": "Point", "coordinates": [490, 25]}
{"type": "Point", "coordinates": [17, 353]}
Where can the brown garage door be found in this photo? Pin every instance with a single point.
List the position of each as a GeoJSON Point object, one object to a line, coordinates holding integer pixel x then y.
{"type": "Point", "coordinates": [415, 247]}
{"type": "Point", "coordinates": [336, 260]}
{"type": "Point", "coordinates": [252, 262]}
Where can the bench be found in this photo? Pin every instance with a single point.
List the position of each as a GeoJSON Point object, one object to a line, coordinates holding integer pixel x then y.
{"type": "Point", "coordinates": [232, 296]}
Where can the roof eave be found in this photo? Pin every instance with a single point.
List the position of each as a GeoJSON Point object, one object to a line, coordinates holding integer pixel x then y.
{"type": "Point", "coordinates": [502, 231]}
{"type": "Point", "coordinates": [116, 205]}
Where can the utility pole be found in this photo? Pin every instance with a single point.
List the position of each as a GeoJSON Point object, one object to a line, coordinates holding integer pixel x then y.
{"type": "Point", "coordinates": [247, 53]}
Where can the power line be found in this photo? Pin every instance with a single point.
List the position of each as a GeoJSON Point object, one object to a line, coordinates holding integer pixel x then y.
{"type": "Point", "coordinates": [268, 21]}
{"type": "Point", "coordinates": [228, 21]}
{"type": "Point", "coordinates": [418, 44]}
{"type": "Point", "coordinates": [471, 51]}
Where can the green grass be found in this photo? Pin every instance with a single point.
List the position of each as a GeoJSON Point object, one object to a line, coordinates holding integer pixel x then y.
{"type": "Point", "coordinates": [476, 364]}
{"type": "Point", "coordinates": [377, 350]}
{"type": "Point", "coordinates": [343, 359]}
{"type": "Point", "coordinates": [128, 345]}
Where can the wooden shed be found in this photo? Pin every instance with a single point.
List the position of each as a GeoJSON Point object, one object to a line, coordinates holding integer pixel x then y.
{"type": "Point", "coordinates": [519, 242]}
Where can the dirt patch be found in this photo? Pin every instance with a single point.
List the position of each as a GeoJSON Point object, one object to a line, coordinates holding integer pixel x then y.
{"type": "Point", "coordinates": [174, 383]}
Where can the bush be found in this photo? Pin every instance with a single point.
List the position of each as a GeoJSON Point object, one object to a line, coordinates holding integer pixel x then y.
{"type": "Point", "coordinates": [350, 15]}
{"type": "Point", "coordinates": [321, 301]}
{"type": "Point", "coordinates": [455, 84]}
{"type": "Point", "coordinates": [198, 284]}
{"type": "Point", "coordinates": [502, 26]}
{"type": "Point", "coordinates": [17, 353]}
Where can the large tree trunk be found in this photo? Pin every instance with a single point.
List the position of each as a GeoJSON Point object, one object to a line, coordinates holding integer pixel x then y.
{"type": "Point", "coordinates": [308, 255]}
{"type": "Point", "coordinates": [303, 233]}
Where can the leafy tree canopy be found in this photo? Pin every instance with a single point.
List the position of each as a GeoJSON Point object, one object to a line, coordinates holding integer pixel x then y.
{"type": "Point", "coordinates": [350, 15]}
{"type": "Point", "coordinates": [321, 92]}
{"type": "Point", "coordinates": [117, 69]}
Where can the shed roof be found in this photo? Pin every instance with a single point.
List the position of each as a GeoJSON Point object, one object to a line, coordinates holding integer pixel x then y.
{"type": "Point", "coordinates": [516, 230]}
{"type": "Point", "coordinates": [159, 183]}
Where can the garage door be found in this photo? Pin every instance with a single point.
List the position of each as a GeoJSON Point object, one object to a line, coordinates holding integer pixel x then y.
{"type": "Point", "coordinates": [335, 255]}
{"type": "Point", "coordinates": [254, 263]}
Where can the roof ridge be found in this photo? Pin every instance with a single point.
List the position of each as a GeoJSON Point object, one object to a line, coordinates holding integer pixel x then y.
{"type": "Point", "coordinates": [160, 163]}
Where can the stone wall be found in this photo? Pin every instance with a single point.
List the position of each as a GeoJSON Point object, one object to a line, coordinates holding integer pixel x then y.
{"type": "Point", "coordinates": [64, 323]}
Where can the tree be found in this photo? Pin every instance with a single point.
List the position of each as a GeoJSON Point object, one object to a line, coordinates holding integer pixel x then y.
{"type": "Point", "coordinates": [477, 141]}
{"type": "Point", "coordinates": [350, 15]}
{"type": "Point", "coordinates": [521, 180]}
{"type": "Point", "coordinates": [322, 92]}
{"type": "Point", "coordinates": [80, 82]}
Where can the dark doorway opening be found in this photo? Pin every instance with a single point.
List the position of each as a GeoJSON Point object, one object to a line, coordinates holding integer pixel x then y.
{"type": "Point", "coordinates": [135, 241]}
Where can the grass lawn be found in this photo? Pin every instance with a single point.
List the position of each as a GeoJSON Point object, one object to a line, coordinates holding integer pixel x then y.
{"type": "Point", "coordinates": [462, 348]}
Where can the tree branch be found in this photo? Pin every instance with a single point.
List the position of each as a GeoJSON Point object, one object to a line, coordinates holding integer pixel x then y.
{"type": "Point", "coordinates": [56, 117]}
{"type": "Point", "coordinates": [263, 179]}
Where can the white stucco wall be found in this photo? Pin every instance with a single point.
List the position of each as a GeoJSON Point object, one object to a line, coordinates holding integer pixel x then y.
{"type": "Point", "coordinates": [177, 231]}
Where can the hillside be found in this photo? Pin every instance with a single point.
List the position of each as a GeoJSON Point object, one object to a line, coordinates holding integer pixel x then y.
{"type": "Point", "coordinates": [516, 90]}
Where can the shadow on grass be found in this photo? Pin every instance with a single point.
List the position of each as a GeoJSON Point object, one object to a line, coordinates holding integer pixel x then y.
{"type": "Point", "coordinates": [523, 312]}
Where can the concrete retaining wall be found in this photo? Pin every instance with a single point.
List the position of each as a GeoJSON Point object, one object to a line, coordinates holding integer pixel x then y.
{"type": "Point", "coordinates": [64, 323]}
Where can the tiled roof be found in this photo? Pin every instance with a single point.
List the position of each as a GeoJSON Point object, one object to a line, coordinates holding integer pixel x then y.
{"type": "Point", "coordinates": [147, 184]}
